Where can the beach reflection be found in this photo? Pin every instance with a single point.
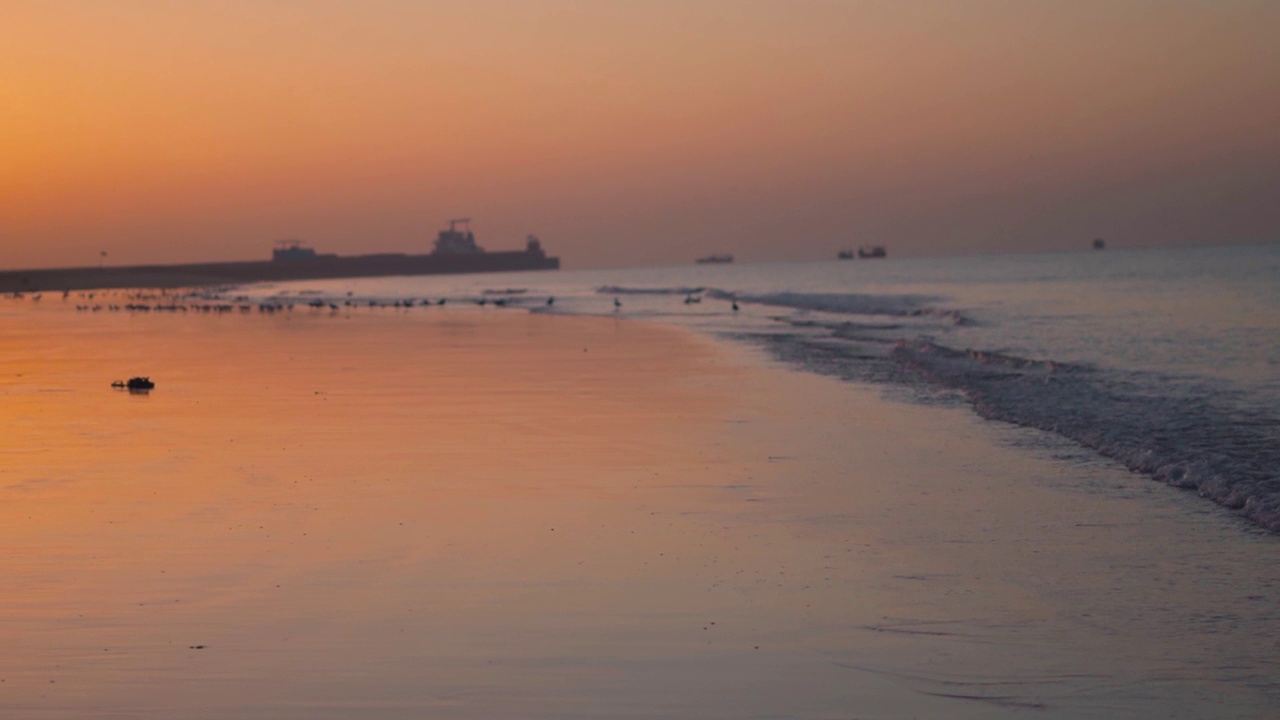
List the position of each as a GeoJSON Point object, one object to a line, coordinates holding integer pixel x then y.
{"type": "Point", "coordinates": [490, 514]}
{"type": "Point", "coordinates": [322, 511]}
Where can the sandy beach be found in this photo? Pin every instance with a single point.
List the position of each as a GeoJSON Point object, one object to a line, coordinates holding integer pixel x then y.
{"type": "Point", "coordinates": [499, 514]}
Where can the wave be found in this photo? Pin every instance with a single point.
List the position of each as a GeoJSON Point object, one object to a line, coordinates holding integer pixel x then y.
{"type": "Point", "coordinates": [1185, 432]}
{"type": "Point", "coordinates": [853, 304]}
{"type": "Point", "coordinates": [619, 290]}
{"type": "Point", "coordinates": [1167, 428]}
{"type": "Point", "coordinates": [834, 303]}
{"type": "Point", "coordinates": [847, 303]}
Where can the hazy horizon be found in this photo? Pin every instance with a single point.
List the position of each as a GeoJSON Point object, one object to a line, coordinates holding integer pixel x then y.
{"type": "Point", "coordinates": [634, 133]}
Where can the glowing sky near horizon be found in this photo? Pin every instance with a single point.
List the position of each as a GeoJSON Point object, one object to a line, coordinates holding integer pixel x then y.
{"type": "Point", "coordinates": [633, 132]}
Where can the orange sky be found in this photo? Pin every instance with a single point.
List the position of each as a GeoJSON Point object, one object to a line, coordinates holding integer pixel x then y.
{"type": "Point", "coordinates": [633, 132]}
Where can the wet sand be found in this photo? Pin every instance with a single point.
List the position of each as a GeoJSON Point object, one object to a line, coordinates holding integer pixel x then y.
{"type": "Point", "coordinates": [495, 514]}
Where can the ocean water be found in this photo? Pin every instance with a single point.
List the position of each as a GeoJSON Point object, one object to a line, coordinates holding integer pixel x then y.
{"type": "Point", "coordinates": [1164, 360]}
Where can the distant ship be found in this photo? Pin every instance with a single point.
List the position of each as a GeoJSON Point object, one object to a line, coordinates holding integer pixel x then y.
{"type": "Point", "coordinates": [872, 251]}
{"type": "Point", "coordinates": [1099, 244]}
{"type": "Point", "coordinates": [845, 254]}
{"type": "Point", "coordinates": [714, 259]}
{"type": "Point", "coordinates": [455, 251]}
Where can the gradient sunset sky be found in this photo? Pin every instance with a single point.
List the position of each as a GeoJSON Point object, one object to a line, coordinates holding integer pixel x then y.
{"type": "Point", "coordinates": [638, 132]}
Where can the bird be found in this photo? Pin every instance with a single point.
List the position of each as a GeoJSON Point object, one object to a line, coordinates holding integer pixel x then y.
{"type": "Point", "coordinates": [617, 303]}
{"type": "Point", "coordinates": [551, 300]}
{"type": "Point", "coordinates": [735, 306]}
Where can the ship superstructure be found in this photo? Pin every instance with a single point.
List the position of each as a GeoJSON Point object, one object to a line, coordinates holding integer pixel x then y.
{"type": "Point", "coordinates": [290, 250]}
{"type": "Point", "coordinates": [455, 241]}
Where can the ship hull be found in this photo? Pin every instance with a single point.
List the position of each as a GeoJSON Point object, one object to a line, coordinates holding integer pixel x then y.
{"type": "Point", "coordinates": [235, 273]}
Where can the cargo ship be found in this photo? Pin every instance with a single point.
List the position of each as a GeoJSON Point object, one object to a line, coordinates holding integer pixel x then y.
{"type": "Point", "coordinates": [865, 252]}
{"type": "Point", "coordinates": [455, 251]}
{"type": "Point", "coordinates": [715, 259]}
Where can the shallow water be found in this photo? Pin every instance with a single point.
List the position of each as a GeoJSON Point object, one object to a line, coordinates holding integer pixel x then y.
{"type": "Point", "coordinates": [477, 512]}
{"type": "Point", "coordinates": [1167, 360]}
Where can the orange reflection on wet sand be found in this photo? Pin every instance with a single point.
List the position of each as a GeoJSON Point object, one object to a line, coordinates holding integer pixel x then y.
{"type": "Point", "coordinates": [315, 500]}
{"type": "Point", "coordinates": [479, 514]}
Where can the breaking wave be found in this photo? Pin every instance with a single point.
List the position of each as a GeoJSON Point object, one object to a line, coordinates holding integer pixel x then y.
{"type": "Point", "coordinates": [1181, 431]}
{"type": "Point", "coordinates": [834, 303]}
{"type": "Point", "coordinates": [856, 304]}
{"type": "Point", "coordinates": [619, 290]}
{"type": "Point", "coordinates": [1164, 427]}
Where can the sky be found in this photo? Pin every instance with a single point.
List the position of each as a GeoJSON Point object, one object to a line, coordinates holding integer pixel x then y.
{"type": "Point", "coordinates": [633, 132]}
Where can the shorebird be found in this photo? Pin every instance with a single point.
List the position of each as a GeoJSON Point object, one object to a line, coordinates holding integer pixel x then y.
{"type": "Point", "coordinates": [551, 300]}
{"type": "Point", "coordinates": [617, 303]}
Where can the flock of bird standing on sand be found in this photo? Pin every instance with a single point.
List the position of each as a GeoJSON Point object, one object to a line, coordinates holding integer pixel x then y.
{"type": "Point", "coordinates": [212, 301]}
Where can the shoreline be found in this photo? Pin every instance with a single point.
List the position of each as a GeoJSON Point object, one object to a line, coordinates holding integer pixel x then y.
{"type": "Point", "coordinates": [470, 514]}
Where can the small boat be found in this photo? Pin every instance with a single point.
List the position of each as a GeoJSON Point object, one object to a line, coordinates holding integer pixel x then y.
{"type": "Point", "coordinates": [1099, 244]}
{"type": "Point", "coordinates": [715, 259]}
{"type": "Point", "coordinates": [871, 251]}
{"type": "Point", "coordinates": [135, 383]}
{"type": "Point", "coordinates": [845, 254]}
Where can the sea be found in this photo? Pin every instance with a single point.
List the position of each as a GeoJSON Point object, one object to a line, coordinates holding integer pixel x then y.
{"type": "Point", "coordinates": [1163, 360]}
